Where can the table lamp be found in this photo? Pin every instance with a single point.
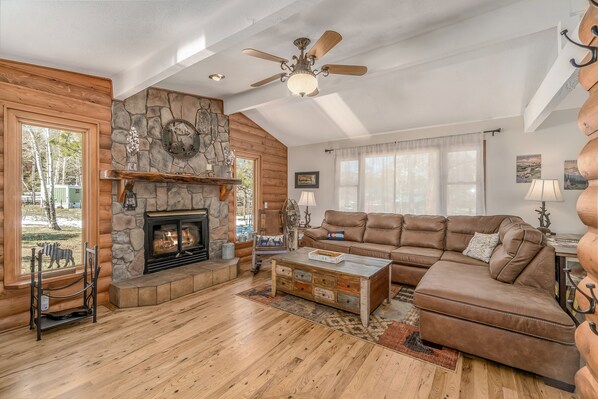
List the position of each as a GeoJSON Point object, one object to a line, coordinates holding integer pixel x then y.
{"type": "Point", "coordinates": [544, 190]}
{"type": "Point", "coordinates": [307, 199]}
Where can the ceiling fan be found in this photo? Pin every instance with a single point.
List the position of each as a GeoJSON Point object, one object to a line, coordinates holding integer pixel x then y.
{"type": "Point", "coordinates": [300, 76]}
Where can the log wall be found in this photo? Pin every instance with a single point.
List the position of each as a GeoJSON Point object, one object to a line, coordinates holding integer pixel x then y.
{"type": "Point", "coordinates": [586, 379]}
{"type": "Point", "coordinates": [67, 95]}
{"type": "Point", "coordinates": [248, 138]}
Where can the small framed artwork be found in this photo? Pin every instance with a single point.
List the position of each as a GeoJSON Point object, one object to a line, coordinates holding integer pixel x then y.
{"type": "Point", "coordinates": [573, 179]}
{"type": "Point", "coordinates": [529, 167]}
{"type": "Point", "coordinates": [307, 179]}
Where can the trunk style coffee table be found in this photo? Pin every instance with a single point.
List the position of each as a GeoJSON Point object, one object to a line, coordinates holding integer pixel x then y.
{"type": "Point", "coordinates": [358, 284]}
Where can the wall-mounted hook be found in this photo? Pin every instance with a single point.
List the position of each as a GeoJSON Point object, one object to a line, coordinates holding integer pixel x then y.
{"type": "Point", "coordinates": [591, 299]}
{"type": "Point", "coordinates": [593, 327]}
{"type": "Point", "coordinates": [594, 3]}
{"type": "Point", "coordinates": [593, 50]}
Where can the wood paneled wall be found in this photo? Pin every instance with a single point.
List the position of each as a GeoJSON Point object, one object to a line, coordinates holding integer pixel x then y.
{"type": "Point", "coordinates": [66, 95]}
{"type": "Point", "coordinates": [586, 379]}
{"type": "Point", "coordinates": [248, 138]}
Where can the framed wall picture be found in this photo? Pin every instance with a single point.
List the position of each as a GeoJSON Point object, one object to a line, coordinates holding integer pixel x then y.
{"type": "Point", "coordinates": [529, 167]}
{"type": "Point", "coordinates": [307, 179]}
{"type": "Point", "coordinates": [573, 180]}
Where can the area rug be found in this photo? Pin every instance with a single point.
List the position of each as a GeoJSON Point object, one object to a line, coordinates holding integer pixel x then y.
{"type": "Point", "coordinates": [394, 326]}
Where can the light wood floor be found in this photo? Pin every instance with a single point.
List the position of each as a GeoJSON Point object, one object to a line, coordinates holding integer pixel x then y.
{"type": "Point", "coordinates": [213, 344]}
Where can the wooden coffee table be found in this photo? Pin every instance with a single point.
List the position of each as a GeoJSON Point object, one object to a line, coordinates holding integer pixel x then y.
{"type": "Point", "coordinates": [358, 285]}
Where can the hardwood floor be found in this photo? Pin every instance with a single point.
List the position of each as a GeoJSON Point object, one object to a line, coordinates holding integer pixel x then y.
{"type": "Point", "coordinates": [214, 344]}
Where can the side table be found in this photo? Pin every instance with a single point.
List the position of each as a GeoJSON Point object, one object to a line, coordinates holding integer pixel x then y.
{"type": "Point", "coordinates": [565, 246]}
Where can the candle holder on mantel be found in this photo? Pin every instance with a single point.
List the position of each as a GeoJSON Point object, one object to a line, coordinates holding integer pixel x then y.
{"type": "Point", "coordinates": [210, 170]}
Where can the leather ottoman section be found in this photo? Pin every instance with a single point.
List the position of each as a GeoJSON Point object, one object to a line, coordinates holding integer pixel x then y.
{"type": "Point", "coordinates": [414, 256]}
{"type": "Point", "coordinates": [458, 257]}
{"type": "Point", "coordinates": [338, 246]}
{"type": "Point", "coordinates": [468, 292]}
{"type": "Point", "coordinates": [408, 275]}
{"type": "Point", "coordinates": [546, 358]}
{"type": "Point", "coordinates": [372, 250]}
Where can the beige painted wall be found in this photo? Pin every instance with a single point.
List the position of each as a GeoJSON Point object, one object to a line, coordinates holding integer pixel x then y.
{"type": "Point", "coordinates": [504, 195]}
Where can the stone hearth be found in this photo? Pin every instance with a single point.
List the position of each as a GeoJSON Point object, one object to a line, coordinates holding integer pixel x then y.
{"type": "Point", "coordinates": [148, 112]}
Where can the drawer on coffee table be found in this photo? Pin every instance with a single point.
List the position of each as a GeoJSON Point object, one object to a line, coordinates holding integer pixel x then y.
{"type": "Point", "coordinates": [348, 301]}
{"type": "Point", "coordinates": [323, 293]}
{"type": "Point", "coordinates": [349, 284]}
{"type": "Point", "coordinates": [285, 284]}
{"type": "Point", "coordinates": [302, 288]}
{"type": "Point", "coordinates": [284, 271]}
{"type": "Point", "coordinates": [302, 275]}
{"type": "Point", "coordinates": [325, 280]}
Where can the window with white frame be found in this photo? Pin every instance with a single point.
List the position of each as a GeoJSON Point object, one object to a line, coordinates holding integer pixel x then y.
{"type": "Point", "coordinates": [431, 176]}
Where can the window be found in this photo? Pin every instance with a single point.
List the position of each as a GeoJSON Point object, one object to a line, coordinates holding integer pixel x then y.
{"type": "Point", "coordinates": [430, 176]}
{"type": "Point", "coordinates": [246, 169]}
{"type": "Point", "coordinates": [51, 191]}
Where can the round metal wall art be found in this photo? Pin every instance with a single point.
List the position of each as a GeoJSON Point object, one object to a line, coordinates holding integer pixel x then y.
{"type": "Point", "coordinates": [180, 139]}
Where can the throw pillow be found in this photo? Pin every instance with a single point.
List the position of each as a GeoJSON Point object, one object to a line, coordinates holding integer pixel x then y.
{"type": "Point", "coordinates": [481, 246]}
{"type": "Point", "coordinates": [270, 241]}
{"type": "Point", "coordinates": [336, 235]}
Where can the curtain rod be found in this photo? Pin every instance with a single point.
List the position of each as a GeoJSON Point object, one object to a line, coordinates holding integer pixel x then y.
{"type": "Point", "coordinates": [493, 132]}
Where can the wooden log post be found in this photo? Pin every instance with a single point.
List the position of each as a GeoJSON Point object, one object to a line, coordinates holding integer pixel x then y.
{"type": "Point", "coordinates": [586, 379]}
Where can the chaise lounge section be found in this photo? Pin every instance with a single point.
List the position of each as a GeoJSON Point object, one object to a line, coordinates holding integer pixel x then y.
{"type": "Point", "coordinates": [503, 310]}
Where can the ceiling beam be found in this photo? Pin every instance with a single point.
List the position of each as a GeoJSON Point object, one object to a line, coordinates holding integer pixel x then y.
{"type": "Point", "coordinates": [494, 27]}
{"type": "Point", "coordinates": [238, 20]}
{"type": "Point", "coordinates": [560, 81]}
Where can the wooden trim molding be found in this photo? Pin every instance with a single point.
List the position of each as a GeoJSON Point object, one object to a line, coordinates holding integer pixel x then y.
{"type": "Point", "coordinates": [14, 118]}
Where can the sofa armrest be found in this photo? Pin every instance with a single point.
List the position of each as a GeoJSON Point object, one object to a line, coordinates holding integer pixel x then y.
{"type": "Point", "coordinates": [318, 233]}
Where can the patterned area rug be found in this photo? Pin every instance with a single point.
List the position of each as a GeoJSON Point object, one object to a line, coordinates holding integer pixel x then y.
{"type": "Point", "coordinates": [394, 326]}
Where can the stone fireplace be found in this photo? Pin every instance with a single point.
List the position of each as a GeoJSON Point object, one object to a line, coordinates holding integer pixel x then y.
{"type": "Point", "coordinates": [148, 112]}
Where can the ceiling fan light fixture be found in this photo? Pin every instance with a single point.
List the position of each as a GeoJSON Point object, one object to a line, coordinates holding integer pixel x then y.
{"type": "Point", "coordinates": [302, 82]}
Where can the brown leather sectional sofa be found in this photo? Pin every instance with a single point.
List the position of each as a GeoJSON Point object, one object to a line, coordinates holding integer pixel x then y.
{"type": "Point", "coordinates": [503, 310]}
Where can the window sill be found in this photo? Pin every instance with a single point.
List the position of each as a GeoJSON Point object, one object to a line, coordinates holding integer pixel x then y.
{"type": "Point", "coordinates": [56, 276]}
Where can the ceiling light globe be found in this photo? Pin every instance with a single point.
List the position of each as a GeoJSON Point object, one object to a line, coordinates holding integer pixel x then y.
{"type": "Point", "coordinates": [302, 83]}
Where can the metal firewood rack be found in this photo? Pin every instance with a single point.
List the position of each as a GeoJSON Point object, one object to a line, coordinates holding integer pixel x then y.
{"type": "Point", "coordinates": [89, 293]}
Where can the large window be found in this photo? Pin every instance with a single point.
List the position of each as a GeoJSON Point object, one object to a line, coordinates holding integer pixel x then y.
{"type": "Point", "coordinates": [431, 176]}
{"type": "Point", "coordinates": [246, 169]}
{"type": "Point", "coordinates": [51, 191]}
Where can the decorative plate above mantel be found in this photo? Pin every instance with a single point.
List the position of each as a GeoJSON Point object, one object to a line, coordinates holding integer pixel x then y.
{"type": "Point", "coordinates": [180, 139]}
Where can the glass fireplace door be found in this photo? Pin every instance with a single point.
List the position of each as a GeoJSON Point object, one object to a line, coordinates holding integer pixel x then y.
{"type": "Point", "coordinates": [165, 239]}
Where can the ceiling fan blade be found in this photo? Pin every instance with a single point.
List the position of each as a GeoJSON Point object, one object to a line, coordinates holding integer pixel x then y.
{"type": "Point", "coordinates": [313, 93]}
{"type": "Point", "coordinates": [265, 56]}
{"type": "Point", "coordinates": [268, 80]}
{"type": "Point", "coordinates": [324, 44]}
{"type": "Point", "coordinates": [357, 70]}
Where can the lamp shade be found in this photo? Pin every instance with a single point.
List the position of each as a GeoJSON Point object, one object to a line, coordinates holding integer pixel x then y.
{"type": "Point", "coordinates": [302, 82]}
{"type": "Point", "coordinates": [307, 198]}
{"type": "Point", "coordinates": [544, 190]}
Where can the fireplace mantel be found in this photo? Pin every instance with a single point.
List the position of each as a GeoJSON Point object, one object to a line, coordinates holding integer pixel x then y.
{"type": "Point", "coordinates": [127, 178]}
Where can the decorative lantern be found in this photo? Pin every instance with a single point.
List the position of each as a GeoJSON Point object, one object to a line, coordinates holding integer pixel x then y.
{"type": "Point", "coordinates": [130, 201]}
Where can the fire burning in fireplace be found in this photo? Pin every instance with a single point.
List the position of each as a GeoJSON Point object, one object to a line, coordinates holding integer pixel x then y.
{"type": "Point", "coordinates": [166, 238]}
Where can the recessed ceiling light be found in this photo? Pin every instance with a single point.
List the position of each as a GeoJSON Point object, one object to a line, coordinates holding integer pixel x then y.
{"type": "Point", "coordinates": [217, 77]}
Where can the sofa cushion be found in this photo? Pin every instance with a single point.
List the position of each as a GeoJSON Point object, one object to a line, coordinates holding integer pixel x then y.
{"type": "Point", "coordinates": [383, 228]}
{"type": "Point", "coordinates": [423, 231]}
{"type": "Point", "coordinates": [520, 243]}
{"type": "Point", "coordinates": [338, 246]}
{"type": "Point", "coordinates": [458, 257]}
{"type": "Point", "coordinates": [469, 293]}
{"type": "Point", "coordinates": [352, 223]}
{"type": "Point", "coordinates": [460, 229]}
{"type": "Point", "coordinates": [481, 246]}
{"type": "Point", "coordinates": [372, 250]}
{"type": "Point", "coordinates": [415, 256]}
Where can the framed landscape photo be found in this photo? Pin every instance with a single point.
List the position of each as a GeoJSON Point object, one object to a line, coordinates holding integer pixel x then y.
{"type": "Point", "coordinates": [529, 167]}
{"type": "Point", "coordinates": [307, 179]}
{"type": "Point", "coordinates": [573, 180]}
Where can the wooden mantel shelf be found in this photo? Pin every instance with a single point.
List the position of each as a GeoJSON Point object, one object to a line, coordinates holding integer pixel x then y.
{"type": "Point", "coordinates": [127, 178]}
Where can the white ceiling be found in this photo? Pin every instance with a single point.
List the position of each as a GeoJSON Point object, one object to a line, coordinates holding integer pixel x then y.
{"type": "Point", "coordinates": [430, 62]}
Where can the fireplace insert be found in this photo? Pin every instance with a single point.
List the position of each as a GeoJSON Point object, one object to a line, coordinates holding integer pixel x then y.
{"type": "Point", "coordinates": [175, 238]}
